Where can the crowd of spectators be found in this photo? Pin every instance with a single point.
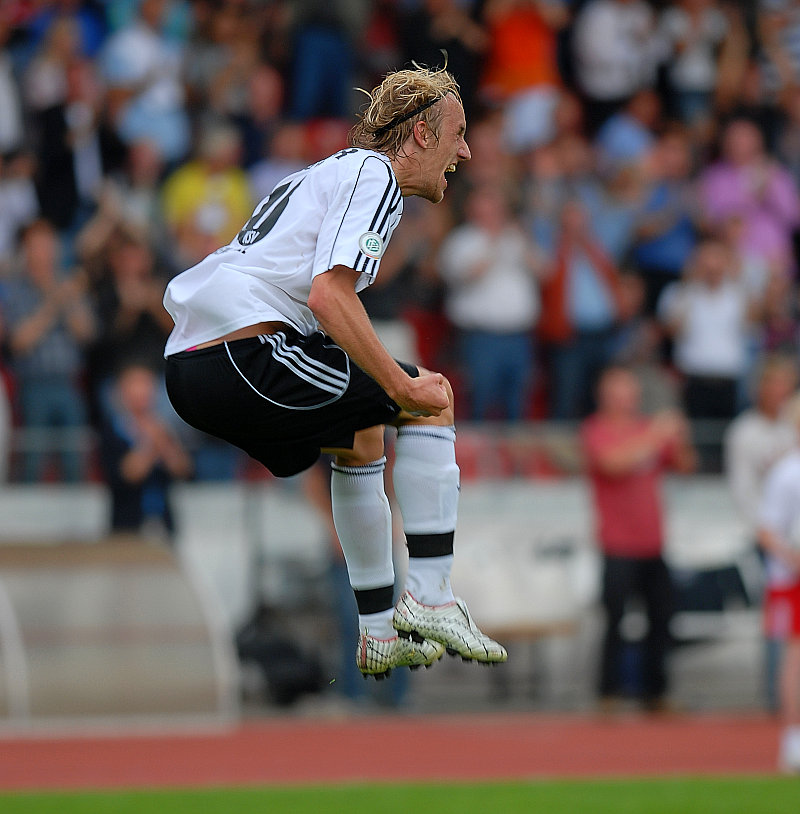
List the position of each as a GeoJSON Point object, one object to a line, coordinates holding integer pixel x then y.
{"type": "Point", "coordinates": [633, 194]}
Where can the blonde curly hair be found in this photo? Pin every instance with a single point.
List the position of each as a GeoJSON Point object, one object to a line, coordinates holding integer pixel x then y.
{"type": "Point", "coordinates": [403, 98]}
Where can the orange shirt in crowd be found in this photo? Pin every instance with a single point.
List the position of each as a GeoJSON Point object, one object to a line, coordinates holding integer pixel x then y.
{"type": "Point", "coordinates": [522, 53]}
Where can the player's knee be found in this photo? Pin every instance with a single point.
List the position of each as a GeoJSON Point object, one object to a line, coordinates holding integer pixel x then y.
{"type": "Point", "coordinates": [367, 447]}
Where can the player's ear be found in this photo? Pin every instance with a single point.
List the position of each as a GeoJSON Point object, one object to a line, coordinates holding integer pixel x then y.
{"type": "Point", "coordinates": [422, 134]}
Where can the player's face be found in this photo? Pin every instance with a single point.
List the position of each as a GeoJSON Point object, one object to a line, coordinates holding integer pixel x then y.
{"type": "Point", "coordinates": [442, 155]}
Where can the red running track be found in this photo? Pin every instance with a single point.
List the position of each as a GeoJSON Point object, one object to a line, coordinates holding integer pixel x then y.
{"type": "Point", "coordinates": [430, 748]}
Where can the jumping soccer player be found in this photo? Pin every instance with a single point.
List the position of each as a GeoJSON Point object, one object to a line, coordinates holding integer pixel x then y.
{"type": "Point", "coordinates": [272, 351]}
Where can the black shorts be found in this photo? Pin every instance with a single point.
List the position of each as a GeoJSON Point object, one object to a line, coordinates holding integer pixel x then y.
{"type": "Point", "coordinates": [281, 398]}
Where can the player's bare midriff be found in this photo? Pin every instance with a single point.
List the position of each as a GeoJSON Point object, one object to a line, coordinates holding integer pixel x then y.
{"type": "Point", "coordinates": [259, 329]}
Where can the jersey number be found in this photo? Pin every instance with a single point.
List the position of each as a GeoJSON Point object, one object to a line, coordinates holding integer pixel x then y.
{"type": "Point", "coordinates": [266, 216]}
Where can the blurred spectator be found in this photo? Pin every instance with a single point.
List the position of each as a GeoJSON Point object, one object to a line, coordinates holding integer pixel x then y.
{"type": "Point", "coordinates": [141, 456]}
{"type": "Point", "coordinates": [521, 71]}
{"type": "Point", "coordinates": [45, 79]}
{"type": "Point", "coordinates": [579, 307]}
{"type": "Point", "coordinates": [626, 454]}
{"type": "Point", "coordinates": [142, 69]}
{"type": "Point", "coordinates": [628, 136]}
{"type": "Point", "coordinates": [708, 315]}
{"type": "Point", "coordinates": [210, 192]}
{"type": "Point", "coordinates": [699, 35]}
{"type": "Point", "coordinates": [491, 267]}
{"type": "Point", "coordinates": [558, 173]}
{"type": "Point", "coordinates": [779, 536]}
{"type": "Point", "coordinates": [129, 201]}
{"type": "Point", "coordinates": [76, 149]}
{"type": "Point", "coordinates": [636, 345]}
{"type": "Point", "coordinates": [613, 208]}
{"type": "Point", "coordinates": [49, 323]}
{"type": "Point", "coordinates": [324, 34]}
{"type": "Point", "coordinates": [259, 121]}
{"type": "Point", "coordinates": [749, 183]}
{"type": "Point", "coordinates": [287, 154]}
{"type": "Point", "coordinates": [779, 324]}
{"type": "Point", "coordinates": [84, 17]}
{"type": "Point", "coordinates": [779, 38]}
{"type": "Point", "coordinates": [18, 203]}
{"type": "Point", "coordinates": [133, 325]}
{"type": "Point", "coordinates": [616, 52]}
{"type": "Point", "coordinates": [11, 122]}
{"type": "Point", "coordinates": [220, 61]}
{"type": "Point", "coordinates": [665, 230]}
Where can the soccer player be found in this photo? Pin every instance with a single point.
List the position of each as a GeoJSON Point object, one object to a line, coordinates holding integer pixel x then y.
{"type": "Point", "coordinates": [273, 352]}
{"type": "Point", "coordinates": [779, 537]}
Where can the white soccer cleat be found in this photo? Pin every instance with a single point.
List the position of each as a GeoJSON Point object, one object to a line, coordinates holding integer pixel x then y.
{"type": "Point", "coordinates": [377, 657]}
{"type": "Point", "coordinates": [450, 624]}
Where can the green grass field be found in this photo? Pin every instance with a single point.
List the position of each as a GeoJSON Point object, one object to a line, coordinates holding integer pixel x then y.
{"type": "Point", "coordinates": [661, 796]}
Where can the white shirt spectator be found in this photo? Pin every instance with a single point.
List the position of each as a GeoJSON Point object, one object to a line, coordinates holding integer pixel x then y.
{"type": "Point", "coordinates": [138, 59]}
{"type": "Point", "coordinates": [693, 65]}
{"type": "Point", "coordinates": [137, 54]}
{"type": "Point", "coordinates": [505, 298]}
{"type": "Point", "coordinates": [753, 443]}
{"type": "Point", "coordinates": [616, 50]}
{"type": "Point", "coordinates": [714, 327]}
{"type": "Point", "coordinates": [779, 512]}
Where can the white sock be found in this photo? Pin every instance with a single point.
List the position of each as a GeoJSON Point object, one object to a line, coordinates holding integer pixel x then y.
{"type": "Point", "coordinates": [426, 482]}
{"type": "Point", "coordinates": [378, 624]}
{"type": "Point", "coordinates": [363, 523]}
{"type": "Point", "coordinates": [428, 579]}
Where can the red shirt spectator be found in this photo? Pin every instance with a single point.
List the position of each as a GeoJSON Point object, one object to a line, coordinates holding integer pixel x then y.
{"type": "Point", "coordinates": [626, 454]}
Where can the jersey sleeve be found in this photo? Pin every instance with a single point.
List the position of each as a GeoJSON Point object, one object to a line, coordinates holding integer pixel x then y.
{"type": "Point", "coordinates": [776, 504]}
{"type": "Point", "coordinates": [364, 210]}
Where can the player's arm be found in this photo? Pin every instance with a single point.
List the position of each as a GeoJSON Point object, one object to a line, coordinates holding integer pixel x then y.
{"type": "Point", "coordinates": [774, 544]}
{"type": "Point", "coordinates": [338, 309]}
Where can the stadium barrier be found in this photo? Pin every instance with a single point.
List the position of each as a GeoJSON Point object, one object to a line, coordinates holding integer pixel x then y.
{"type": "Point", "coordinates": [96, 629]}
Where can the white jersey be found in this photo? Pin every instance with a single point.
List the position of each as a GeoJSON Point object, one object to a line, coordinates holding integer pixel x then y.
{"type": "Point", "coordinates": [779, 512]}
{"type": "Point", "coordinates": [339, 211]}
